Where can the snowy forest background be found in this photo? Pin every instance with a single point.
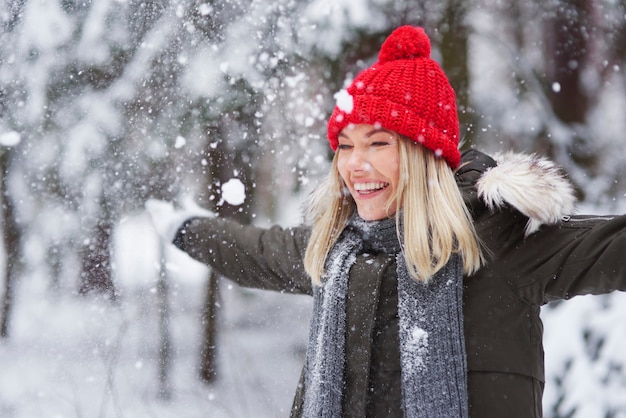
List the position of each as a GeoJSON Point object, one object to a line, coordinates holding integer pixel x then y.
{"type": "Point", "coordinates": [107, 103]}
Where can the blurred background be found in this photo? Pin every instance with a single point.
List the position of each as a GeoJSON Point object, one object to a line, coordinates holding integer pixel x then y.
{"type": "Point", "coordinates": [107, 103]}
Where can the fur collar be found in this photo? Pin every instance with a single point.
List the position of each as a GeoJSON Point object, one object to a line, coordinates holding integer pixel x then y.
{"type": "Point", "coordinates": [533, 185]}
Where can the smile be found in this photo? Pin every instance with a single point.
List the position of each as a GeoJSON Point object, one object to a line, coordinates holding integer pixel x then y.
{"type": "Point", "coordinates": [370, 187]}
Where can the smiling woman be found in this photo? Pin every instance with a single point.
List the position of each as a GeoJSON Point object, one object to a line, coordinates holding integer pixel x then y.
{"type": "Point", "coordinates": [388, 175]}
{"type": "Point", "coordinates": [368, 162]}
{"type": "Point", "coordinates": [427, 267]}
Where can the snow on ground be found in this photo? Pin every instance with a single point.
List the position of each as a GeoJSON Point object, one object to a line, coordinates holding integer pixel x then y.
{"type": "Point", "coordinates": [584, 342]}
{"type": "Point", "coordinates": [73, 356]}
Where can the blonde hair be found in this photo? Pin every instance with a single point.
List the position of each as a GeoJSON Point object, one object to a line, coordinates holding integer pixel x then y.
{"type": "Point", "coordinates": [436, 220]}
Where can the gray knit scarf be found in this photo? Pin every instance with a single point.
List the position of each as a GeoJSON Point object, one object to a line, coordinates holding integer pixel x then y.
{"type": "Point", "coordinates": [432, 345]}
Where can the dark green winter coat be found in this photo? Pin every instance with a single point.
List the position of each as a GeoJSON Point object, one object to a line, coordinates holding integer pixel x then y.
{"type": "Point", "coordinates": [572, 255]}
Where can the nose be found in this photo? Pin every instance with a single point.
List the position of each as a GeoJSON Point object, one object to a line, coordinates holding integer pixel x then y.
{"type": "Point", "coordinates": [357, 160]}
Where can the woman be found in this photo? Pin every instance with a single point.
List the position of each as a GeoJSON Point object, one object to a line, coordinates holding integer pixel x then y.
{"type": "Point", "coordinates": [427, 269]}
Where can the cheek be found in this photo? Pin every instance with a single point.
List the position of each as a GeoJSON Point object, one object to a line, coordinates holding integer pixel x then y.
{"type": "Point", "coordinates": [393, 172]}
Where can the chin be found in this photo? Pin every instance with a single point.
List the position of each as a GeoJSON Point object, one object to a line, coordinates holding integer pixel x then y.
{"type": "Point", "coordinates": [373, 216]}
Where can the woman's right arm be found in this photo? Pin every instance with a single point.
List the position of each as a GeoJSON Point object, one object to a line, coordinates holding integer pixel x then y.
{"type": "Point", "coordinates": [256, 257]}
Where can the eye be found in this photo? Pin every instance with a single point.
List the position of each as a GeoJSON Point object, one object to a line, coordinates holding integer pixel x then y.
{"type": "Point", "coordinates": [344, 147]}
{"type": "Point", "coordinates": [381, 140]}
{"type": "Point", "coordinates": [379, 143]}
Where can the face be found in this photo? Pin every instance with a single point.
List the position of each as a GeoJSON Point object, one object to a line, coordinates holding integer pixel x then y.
{"type": "Point", "coordinates": [369, 164]}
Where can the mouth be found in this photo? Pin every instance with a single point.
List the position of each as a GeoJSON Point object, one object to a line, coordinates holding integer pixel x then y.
{"type": "Point", "coordinates": [370, 187]}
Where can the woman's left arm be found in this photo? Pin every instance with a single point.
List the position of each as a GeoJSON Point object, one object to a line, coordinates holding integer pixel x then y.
{"type": "Point", "coordinates": [577, 256]}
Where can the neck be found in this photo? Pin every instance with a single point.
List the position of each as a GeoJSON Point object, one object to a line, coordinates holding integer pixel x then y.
{"type": "Point", "coordinates": [379, 235]}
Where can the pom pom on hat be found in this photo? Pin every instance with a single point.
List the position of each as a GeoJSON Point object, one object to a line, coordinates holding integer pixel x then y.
{"type": "Point", "coordinates": [405, 43]}
{"type": "Point", "coordinates": [405, 92]}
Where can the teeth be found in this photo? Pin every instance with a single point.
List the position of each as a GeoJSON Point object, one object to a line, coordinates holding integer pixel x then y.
{"type": "Point", "coordinates": [369, 186]}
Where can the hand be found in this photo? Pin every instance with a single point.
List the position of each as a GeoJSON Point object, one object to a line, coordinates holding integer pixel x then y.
{"type": "Point", "coordinates": [168, 219]}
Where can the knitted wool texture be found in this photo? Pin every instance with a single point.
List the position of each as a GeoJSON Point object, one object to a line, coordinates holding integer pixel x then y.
{"type": "Point", "coordinates": [432, 345]}
{"type": "Point", "coordinates": [406, 92]}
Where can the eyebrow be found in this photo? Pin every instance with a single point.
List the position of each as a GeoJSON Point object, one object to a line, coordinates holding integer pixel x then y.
{"type": "Point", "coordinates": [369, 133]}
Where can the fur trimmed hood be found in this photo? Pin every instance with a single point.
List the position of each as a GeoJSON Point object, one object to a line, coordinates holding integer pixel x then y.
{"type": "Point", "coordinates": [533, 185]}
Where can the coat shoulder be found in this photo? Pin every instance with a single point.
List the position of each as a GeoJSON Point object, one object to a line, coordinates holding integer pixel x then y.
{"type": "Point", "coordinates": [533, 185]}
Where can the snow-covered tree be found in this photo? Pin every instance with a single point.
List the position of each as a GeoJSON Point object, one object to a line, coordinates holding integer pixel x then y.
{"type": "Point", "coordinates": [106, 103]}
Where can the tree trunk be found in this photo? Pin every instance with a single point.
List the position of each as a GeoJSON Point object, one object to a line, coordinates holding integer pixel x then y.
{"type": "Point", "coordinates": [165, 341]}
{"type": "Point", "coordinates": [568, 32]}
{"type": "Point", "coordinates": [567, 43]}
{"type": "Point", "coordinates": [11, 235]}
{"type": "Point", "coordinates": [96, 261]}
{"type": "Point", "coordinates": [223, 162]}
{"type": "Point", "coordinates": [208, 351]}
{"type": "Point", "coordinates": [454, 55]}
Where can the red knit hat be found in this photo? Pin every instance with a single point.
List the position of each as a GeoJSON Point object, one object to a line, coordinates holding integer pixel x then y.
{"type": "Point", "coordinates": [405, 92]}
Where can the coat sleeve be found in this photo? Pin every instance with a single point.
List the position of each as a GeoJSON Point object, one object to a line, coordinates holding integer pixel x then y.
{"type": "Point", "coordinates": [270, 259]}
{"type": "Point", "coordinates": [579, 255]}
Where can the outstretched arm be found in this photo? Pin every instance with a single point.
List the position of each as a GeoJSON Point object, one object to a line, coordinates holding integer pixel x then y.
{"type": "Point", "coordinates": [577, 256]}
{"type": "Point", "coordinates": [251, 256]}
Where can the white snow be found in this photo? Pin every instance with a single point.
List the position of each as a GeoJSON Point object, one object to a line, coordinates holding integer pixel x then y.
{"type": "Point", "coordinates": [234, 192]}
{"type": "Point", "coordinates": [72, 355]}
{"type": "Point", "coordinates": [417, 344]}
{"type": "Point", "coordinates": [10, 139]}
{"type": "Point", "coordinates": [180, 142]}
{"type": "Point", "coordinates": [345, 101]}
{"type": "Point", "coordinates": [79, 356]}
{"type": "Point", "coordinates": [202, 77]}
